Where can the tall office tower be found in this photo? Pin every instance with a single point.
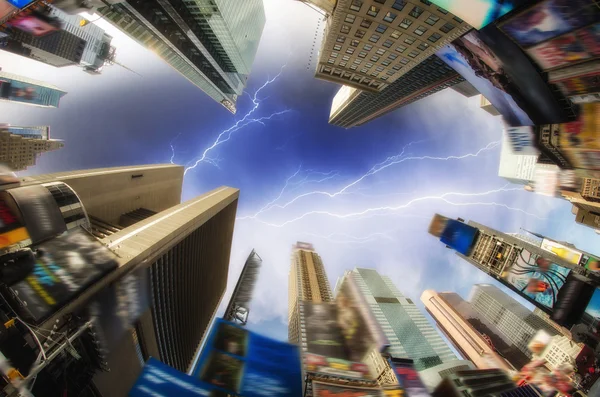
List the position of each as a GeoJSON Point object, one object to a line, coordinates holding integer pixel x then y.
{"type": "Point", "coordinates": [212, 43]}
{"type": "Point", "coordinates": [307, 282]}
{"type": "Point", "coordinates": [516, 323]}
{"type": "Point", "coordinates": [19, 89]}
{"type": "Point", "coordinates": [466, 339]}
{"type": "Point", "coordinates": [369, 44]}
{"type": "Point", "coordinates": [21, 146]}
{"type": "Point", "coordinates": [76, 43]}
{"type": "Point", "coordinates": [182, 250]}
{"type": "Point", "coordinates": [407, 329]}
{"type": "Point", "coordinates": [352, 107]}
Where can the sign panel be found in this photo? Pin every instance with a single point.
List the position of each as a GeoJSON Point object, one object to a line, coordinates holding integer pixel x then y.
{"type": "Point", "coordinates": [327, 390]}
{"type": "Point", "coordinates": [335, 366]}
{"type": "Point", "coordinates": [34, 24]}
{"type": "Point", "coordinates": [12, 229]}
{"type": "Point", "coordinates": [408, 378]}
{"type": "Point", "coordinates": [20, 3]}
{"type": "Point", "coordinates": [549, 19]}
{"type": "Point", "coordinates": [239, 362]}
{"type": "Point", "coordinates": [459, 236]}
{"type": "Point", "coordinates": [479, 13]}
{"type": "Point", "coordinates": [522, 140]}
{"type": "Point", "coordinates": [567, 49]}
{"type": "Point", "coordinates": [569, 254]}
{"type": "Point", "coordinates": [536, 277]}
{"type": "Point", "coordinates": [590, 262]}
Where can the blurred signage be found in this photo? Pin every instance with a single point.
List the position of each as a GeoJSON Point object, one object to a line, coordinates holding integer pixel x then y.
{"type": "Point", "coordinates": [20, 3]}
{"type": "Point", "coordinates": [12, 229]}
{"type": "Point", "coordinates": [566, 253]}
{"type": "Point", "coordinates": [408, 378]}
{"type": "Point", "coordinates": [535, 277]}
{"type": "Point", "coordinates": [539, 342]}
{"type": "Point", "coordinates": [18, 91]}
{"type": "Point", "coordinates": [479, 13]}
{"type": "Point", "coordinates": [548, 137]}
{"type": "Point", "coordinates": [304, 246]}
{"type": "Point", "coordinates": [590, 262]}
{"type": "Point", "coordinates": [327, 390]}
{"type": "Point", "coordinates": [6, 9]}
{"type": "Point", "coordinates": [64, 266]}
{"type": "Point", "coordinates": [335, 366]}
{"type": "Point", "coordinates": [34, 24]}
{"type": "Point", "coordinates": [455, 234]}
{"type": "Point", "coordinates": [580, 140]}
{"type": "Point", "coordinates": [578, 80]}
{"type": "Point", "coordinates": [242, 363]}
{"type": "Point", "coordinates": [545, 181]}
{"type": "Point", "coordinates": [522, 140]}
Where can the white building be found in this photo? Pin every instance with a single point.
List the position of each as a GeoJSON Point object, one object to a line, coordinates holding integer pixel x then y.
{"type": "Point", "coordinates": [561, 350]}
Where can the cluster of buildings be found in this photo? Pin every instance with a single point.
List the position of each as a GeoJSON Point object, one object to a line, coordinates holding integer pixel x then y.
{"type": "Point", "coordinates": [211, 43]}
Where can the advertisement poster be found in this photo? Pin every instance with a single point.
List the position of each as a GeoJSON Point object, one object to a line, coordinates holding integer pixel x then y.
{"type": "Point", "coordinates": [474, 61]}
{"type": "Point", "coordinates": [590, 262]}
{"type": "Point", "coordinates": [479, 13]}
{"type": "Point", "coordinates": [335, 366]}
{"type": "Point", "coordinates": [549, 19]}
{"type": "Point", "coordinates": [408, 378]}
{"type": "Point", "coordinates": [6, 9]}
{"type": "Point", "coordinates": [20, 3]}
{"type": "Point", "coordinates": [584, 133]}
{"type": "Point", "coordinates": [34, 24]}
{"type": "Point", "coordinates": [459, 236]}
{"type": "Point", "coordinates": [18, 91]}
{"type": "Point", "coordinates": [566, 253]}
{"type": "Point", "coordinates": [243, 363]}
{"type": "Point", "coordinates": [560, 51]}
{"type": "Point", "coordinates": [522, 140]}
{"type": "Point", "coordinates": [328, 390]}
{"type": "Point", "coordinates": [323, 332]}
{"type": "Point", "coordinates": [12, 229]}
{"type": "Point", "coordinates": [536, 277]}
{"type": "Point", "coordinates": [581, 85]}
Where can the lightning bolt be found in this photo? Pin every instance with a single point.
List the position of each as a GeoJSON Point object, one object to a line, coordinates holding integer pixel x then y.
{"type": "Point", "coordinates": [245, 121]}
{"type": "Point", "coordinates": [173, 148]}
{"type": "Point", "coordinates": [408, 204]}
{"type": "Point", "coordinates": [350, 239]}
{"type": "Point", "coordinates": [397, 159]}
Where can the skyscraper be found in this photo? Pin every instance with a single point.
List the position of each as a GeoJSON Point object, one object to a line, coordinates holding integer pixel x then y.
{"type": "Point", "coordinates": [466, 339]}
{"type": "Point", "coordinates": [182, 250]}
{"type": "Point", "coordinates": [19, 89]}
{"type": "Point", "coordinates": [20, 146]}
{"type": "Point", "coordinates": [87, 46]}
{"type": "Point", "coordinates": [369, 44]}
{"type": "Point", "coordinates": [516, 323]}
{"type": "Point", "coordinates": [212, 43]}
{"type": "Point", "coordinates": [352, 107]}
{"type": "Point", "coordinates": [237, 309]}
{"type": "Point", "coordinates": [307, 282]}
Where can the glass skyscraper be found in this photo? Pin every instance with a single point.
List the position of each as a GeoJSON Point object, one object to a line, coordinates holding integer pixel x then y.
{"type": "Point", "coordinates": [212, 43]}
{"type": "Point", "coordinates": [15, 88]}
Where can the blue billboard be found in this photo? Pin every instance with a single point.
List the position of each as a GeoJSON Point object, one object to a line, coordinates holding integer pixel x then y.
{"type": "Point", "coordinates": [20, 3]}
{"type": "Point", "coordinates": [239, 362]}
{"type": "Point", "coordinates": [459, 236]}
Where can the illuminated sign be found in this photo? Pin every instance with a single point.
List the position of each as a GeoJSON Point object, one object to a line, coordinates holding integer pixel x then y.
{"type": "Point", "coordinates": [566, 253]}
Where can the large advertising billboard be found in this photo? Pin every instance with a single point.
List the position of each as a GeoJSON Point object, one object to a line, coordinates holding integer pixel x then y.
{"type": "Point", "coordinates": [242, 363]}
{"type": "Point", "coordinates": [569, 254]}
{"type": "Point", "coordinates": [455, 234]}
{"type": "Point", "coordinates": [12, 229]}
{"type": "Point", "coordinates": [327, 390]}
{"type": "Point", "coordinates": [20, 3]}
{"type": "Point", "coordinates": [335, 366]}
{"type": "Point", "coordinates": [536, 277]}
{"type": "Point", "coordinates": [17, 91]}
{"type": "Point", "coordinates": [580, 140]}
{"type": "Point", "coordinates": [408, 378]}
{"type": "Point", "coordinates": [479, 13]}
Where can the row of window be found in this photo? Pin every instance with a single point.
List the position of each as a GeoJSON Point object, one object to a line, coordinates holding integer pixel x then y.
{"type": "Point", "coordinates": [399, 5]}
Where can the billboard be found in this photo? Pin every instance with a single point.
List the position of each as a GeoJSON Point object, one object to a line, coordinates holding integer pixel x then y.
{"type": "Point", "coordinates": [20, 3]}
{"type": "Point", "coordinates": [479, 13]}
{"type": "Point", "coordinates": [18, 91]}
{"type": "Point", "coordinates": [239, 362]}
{"type": "Point", "coordinates": [459, 236]}
{"type": "Point", "coordinates": [536, 277]}
{"type": "Point", "coordinates": [590, 262]}
{"type": "Point", "coordinates": [328, 390]}
{"type": "Point", "coordinates": [522, 140]}
{"type": "Point", "coordinates": [35, 24]}
{"type": "Point", "coordinates": [550, 19]}
{"type": "Point", "coordinates": [408, 378]}
{"type": "Point", "coordinates": [569, 254]}
{"type": "Point", "coordinates": [12, 229]}
{"type": "Point", "coordinates": [578, 80]}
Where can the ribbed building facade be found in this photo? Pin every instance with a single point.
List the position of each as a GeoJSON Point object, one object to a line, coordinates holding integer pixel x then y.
{"type": "Point", "coordinates": [21, 146]}
{"type": "Point", "coordinates": [212, 43]}
{"type": "Point", "coordinates": [20, 89]}
{"type": "Point", "coordinates": [369, 44]}
{"type": "Point", "coordinates": [352, 107]}
{"type": "Point", "coordinates": [307, 282]}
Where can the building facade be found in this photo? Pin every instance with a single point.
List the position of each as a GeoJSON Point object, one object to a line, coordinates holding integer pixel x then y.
{"type": "Point", "coordinates": [561, 350]}
{"type": "Point", "coordinates": [587, 217]}
{"type": "Point", "coordinates": [20, 89]}
{"type": "Point", "coordinates": [466, 339]}
{"type": "Point", "coordinates": [465, 89]}
{"type": "Point", "coordinates": [369, 44]}
{"type": "Point", "coordinates": [590, 189]}
{"type": "Point", "coordinates": [212, 43]}
{"type": "Point", "coordinates": [352, 107]}
{"type": "Point", "coordinates": [21, 146]}
{"type": "Point", "coordinates": [481, 382]}
{"type": "Point", "coordinates": [546, 318]}
{"type": "Point", "coordinates": [514, 167]}
{"type": "Point", "coordinates": [486, 105]}
{"type": "Point", "coordinates": [307, 282]}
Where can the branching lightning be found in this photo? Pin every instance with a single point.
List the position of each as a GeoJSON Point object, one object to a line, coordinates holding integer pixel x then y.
{"type": "Point", "coordinates": [245, 121]}
{"type": "Point", "coordinates": [173, 148]}
{"type": "Point", "coordinates": [350, 239]}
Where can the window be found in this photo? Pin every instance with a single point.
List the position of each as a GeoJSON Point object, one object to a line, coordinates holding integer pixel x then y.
{"type": "Point", "coordinates": [374, 38]}
{"type": "Point", "coordinates": [390, 73]}
{"type": "Point", "coordinates": [457, 19]}
{"type": "Point", "coordinates": [395, 34]}
{"type": "Point", "coordinates": [379, 68]}
{"type": "Point", "coordinates": [409, 40]}
{"type": "Point", "coordinates": [380, 51]}
{"type": "Point", "coordinates": [416, 12]}
{"type": "Point", "coordinates": [346, 58]}
{"type": "Point", "coordinates": [420, 30]}
{"type": "Point", "coordinates": [384, 78]}
{"type": "Point", "coordinates": [356, 4]}
{"type": "Point", "coordinates": [334, 54]}
{"type": "Point", "coordinates": [343, 64]}
{"type": "Point", "coordinates": [340, 39]}
{"type": "Point", "coordinates": [413, 53]}
{"type": "Point", "coordinates": [359, 33]}
{"type": "Point", "coordinates": [365, 23]}
{"type": "Point", "coordinates": [401, 49]}
{"type": "Point", "coordinates": [381, 28]}
{"type": "Point", "coordinates": [442, 11]}
{"type": "Point", "coordinates": [389, 17]}
{"type": "Point", "coordinates": [384, 63]}
{"type": "Point", "coordinates": [362, 54]}
{"type": "Point", "coordinates": [368, 47]}
{"type": "Point", "coordinates": [406, 22]}
{"type": "Point", "coordinates": [367, 81]}
{"type": "Point", "coordinates": [345, 29]}
{"type": "Point", "coordinates": [380, 1]}
{"type": "Point", "coordinates": [375, 74]}
{"type": "Point", "coordinates": [426, 2]}
{"type": "Point", "coordinates": [350, 18]}
{"type": "Point", "coordinates": [373, 11]}
{"type": "Point", "coordinates": [399, 4]}
{"type": "Point", "coordinates": [353, 67]}
{"type": "Point", "coordinates": [404, 61]}
{"type": "Point", "coordinates": [354, 43]}
{"type": "Point", "coordinates": [350, 51]}
{"type": "Point", "coordinates": [331, 60]}
{"type": "Point", "coordinates": [388, 43]}
{"type": "Point", "coordinates": [357, 61]}
{"type": "Point", "coordinates": [423, 46]}
{"type": "Point", "coordinates": [396, 67]}
{"type": "Point", "coordinates": [337, 47]}
{"type": "Point", "coordinates": [434, 37]}
{"type": "Point", "coordinates": [447, 27]}
{"type": "Point", "coordinates": [432, 19]}
{"type": "Point", "coordinates": [374, 58]}
{"type": "Point", "coordinates": [369, 65]}
{"type": "Point", "coordinates": [392, 56]}
{"type": "Point", "coordinates": [364, 70]}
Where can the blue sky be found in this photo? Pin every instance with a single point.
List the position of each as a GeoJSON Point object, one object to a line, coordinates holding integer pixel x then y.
{"type": "Point", "coordinates": [441, 155]}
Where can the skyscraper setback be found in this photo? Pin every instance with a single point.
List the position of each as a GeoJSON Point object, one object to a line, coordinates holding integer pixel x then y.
{"type": "Point", "coordinates": [21, 146]}
{"type": "Point", "coordinates": [212, 43]}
